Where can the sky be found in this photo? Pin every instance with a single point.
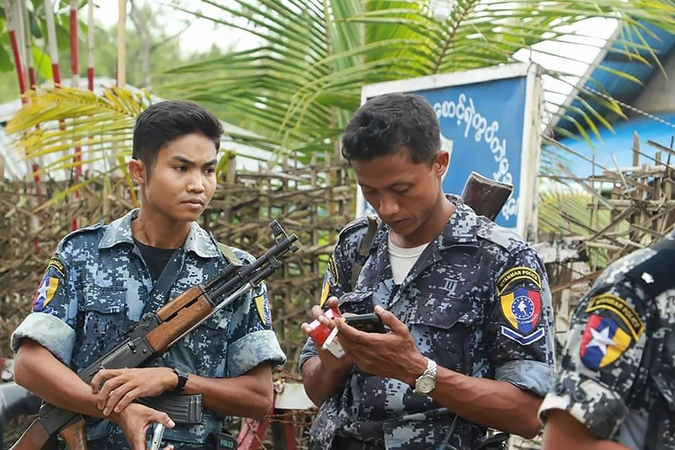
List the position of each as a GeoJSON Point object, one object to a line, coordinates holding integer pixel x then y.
{"type": "Point", "coordinates": [200, 32]}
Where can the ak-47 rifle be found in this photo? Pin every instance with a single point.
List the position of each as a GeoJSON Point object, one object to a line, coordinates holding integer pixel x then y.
{"type": "Point", "coordinates": [487, 198]}
{"type": "Point", "coordinates": [152, 336]}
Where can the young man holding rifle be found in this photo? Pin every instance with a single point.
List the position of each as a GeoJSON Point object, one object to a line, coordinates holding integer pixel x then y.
{"type": "Point", "coordinates": [103, 279]}
{"type": "Point", "coordinates": [467, 303]}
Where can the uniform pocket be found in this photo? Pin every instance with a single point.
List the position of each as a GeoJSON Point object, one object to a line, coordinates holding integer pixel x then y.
{"type": "Point", "coordinates": [105, 319]}
{"type": "Point", "coordinates": [359, 302]}
{"type": "Point", "coordinates": [442, 328]}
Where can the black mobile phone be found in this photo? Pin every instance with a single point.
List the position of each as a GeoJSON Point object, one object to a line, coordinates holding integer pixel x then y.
{"type": "Point", "coordinates": [370, 323]}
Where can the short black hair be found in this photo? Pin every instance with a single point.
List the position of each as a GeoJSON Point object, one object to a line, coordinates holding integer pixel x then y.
{"type": "Point", "coordinates": [387, 123]}
{"type": "Point", "coordinates": [163, 122]}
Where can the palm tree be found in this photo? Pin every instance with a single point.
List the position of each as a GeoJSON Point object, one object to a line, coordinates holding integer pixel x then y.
{"type": "Point", "coordinates": [299, 85]}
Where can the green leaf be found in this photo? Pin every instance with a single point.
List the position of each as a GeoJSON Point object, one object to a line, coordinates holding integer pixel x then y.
{"type": "Point", "coordinates": [35, 29]}
{"type": "Point", "coordinates": [62, 36]}
{"type": "Point", "coordinates": [42, 63]}
{"type": "Point", "coordinates": [6, 63]}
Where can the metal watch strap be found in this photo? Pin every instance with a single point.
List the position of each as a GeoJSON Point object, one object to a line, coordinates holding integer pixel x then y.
{"type": "Point", "coordinates": [429, 372]}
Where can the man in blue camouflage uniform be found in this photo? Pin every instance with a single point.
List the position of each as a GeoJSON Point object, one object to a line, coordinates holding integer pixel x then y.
{"type": "Point", "coordinates": [471, 340]}
{"type": "Point", "coordinates": [104, 278]}
{"type": "Point", "coordinates": [616, 385]}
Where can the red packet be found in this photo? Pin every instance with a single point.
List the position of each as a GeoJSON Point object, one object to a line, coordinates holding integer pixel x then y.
{"type": "Point", "coordinates": [319, 331]}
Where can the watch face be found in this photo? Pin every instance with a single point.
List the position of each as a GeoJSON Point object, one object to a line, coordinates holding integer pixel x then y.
{"type": "Point", "coordinates": [426, 385]}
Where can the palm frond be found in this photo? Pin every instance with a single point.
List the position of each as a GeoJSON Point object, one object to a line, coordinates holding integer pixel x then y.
{"type": "Point", "coordinates": [297, 89]}
{"type": "Point", "coordinates": [56, 120]}
{"type": "Point", "coordinates": [316, 55]}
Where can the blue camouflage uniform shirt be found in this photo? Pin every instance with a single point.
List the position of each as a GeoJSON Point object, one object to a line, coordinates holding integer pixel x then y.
{"type": "Point", "coordinates": [476, 301]}
{"type": "Point", "coordinates": [617, 370]}
{"type": "Point", "coordinates": [97, 286]}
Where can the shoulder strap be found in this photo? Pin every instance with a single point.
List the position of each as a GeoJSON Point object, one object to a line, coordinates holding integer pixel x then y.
{"type": "Point", "coordinates": [364, 250]}
{"type": "Point", "coordinates": [229, 254]}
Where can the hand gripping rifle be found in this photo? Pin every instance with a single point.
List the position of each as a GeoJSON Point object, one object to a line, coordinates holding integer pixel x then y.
{"type": "Point", "coordinates": [152, 336]}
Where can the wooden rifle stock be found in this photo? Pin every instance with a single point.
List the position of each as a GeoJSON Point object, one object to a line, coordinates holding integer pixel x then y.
{"type": "Point", "coordinates": [177, 317]}
{"type": "Point", "coordinates": [75, 436]}
{"type": "Point", "coordinates": [485, 196]}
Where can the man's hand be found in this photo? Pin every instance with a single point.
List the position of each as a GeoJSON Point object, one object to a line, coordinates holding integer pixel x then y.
{"type": "Point", "coordinates": [327, 359]}
{"type": "Point", "coordinates": [134, 421]}
{"type": "Point", "coordinates": [390, 355]}
{"type": "Point", "coordinates": [123, 386]}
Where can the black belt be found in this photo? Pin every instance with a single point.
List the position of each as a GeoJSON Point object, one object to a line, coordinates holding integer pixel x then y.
{"type": "Point", "coordinates": [343, 443]}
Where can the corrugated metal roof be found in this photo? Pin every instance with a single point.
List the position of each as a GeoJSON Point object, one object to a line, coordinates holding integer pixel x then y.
{"type": "Point", "coordinates": [601, 77]}
{"type": "Point", "coordinates": [618, 145]}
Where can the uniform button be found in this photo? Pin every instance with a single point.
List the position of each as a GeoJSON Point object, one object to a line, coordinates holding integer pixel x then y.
{"type": "Point", "coordinates": [579, 395]}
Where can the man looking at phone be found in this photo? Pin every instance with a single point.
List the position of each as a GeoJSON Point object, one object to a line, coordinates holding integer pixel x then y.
{"type": "Point", "coordinates": [467, 304]}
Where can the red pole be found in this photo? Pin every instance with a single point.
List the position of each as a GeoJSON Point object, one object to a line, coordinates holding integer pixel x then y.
{"type": "Point", "coordinates": [74, 70]}
{"type": "Point", "coordinates": [31, 73]}
{"type": "Point", "coordinates": [12, 22]}
{"type": "Point", "coordinates": [28, 45]}
{"type": "Point", "coordinates": [90, 45]}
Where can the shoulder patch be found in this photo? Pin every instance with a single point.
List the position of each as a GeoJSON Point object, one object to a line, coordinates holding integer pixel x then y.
{"type": "Point", "coordinates": [324, 293]}
{"type": "Point", "coordinates": [56, 264]}
{"type": "Point", "coordinates": [621, 308]}
{"type": "Point", "coordinates": [332, 269]}
{"type": "Point", "coordinates": [45, 294]}
{"type": "Point", "coordinates": [517, 273]}
{"type": "Point", "coordinates": [523, 340]}
{"type": "Point", "coordinates": [522, 310]}
{"type": "Point", "coordinates": [603, 342]}
{"type": "Point", "coordinates": [262, 306]}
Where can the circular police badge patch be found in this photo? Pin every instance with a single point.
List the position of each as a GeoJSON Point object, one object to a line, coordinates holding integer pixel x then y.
{"type": "Point", "coordinates": [523, 308]}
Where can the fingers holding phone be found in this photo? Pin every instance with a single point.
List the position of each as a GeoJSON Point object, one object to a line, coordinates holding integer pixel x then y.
{"type": "Point", "coordinates": [157, 436]}
{"type": "Point", "coordinates": [368, 323]}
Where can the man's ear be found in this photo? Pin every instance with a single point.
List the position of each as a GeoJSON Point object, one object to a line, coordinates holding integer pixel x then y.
{"type": "Point", "coordinates": [441, 163]}
{"type": "Point", "coordinates": [138, 172]}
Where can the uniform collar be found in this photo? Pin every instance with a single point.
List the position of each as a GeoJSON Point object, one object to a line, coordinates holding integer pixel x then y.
{"type": "Point", "coordinates": [198, 240]}
{"type": "Point", "coordinates": [461, 228]}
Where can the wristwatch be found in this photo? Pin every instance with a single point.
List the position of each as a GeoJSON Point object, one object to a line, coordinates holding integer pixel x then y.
{"type": "Point", "coordinates": [427, 381]}
{"type": "Point", "coordinates": [182, 379]}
